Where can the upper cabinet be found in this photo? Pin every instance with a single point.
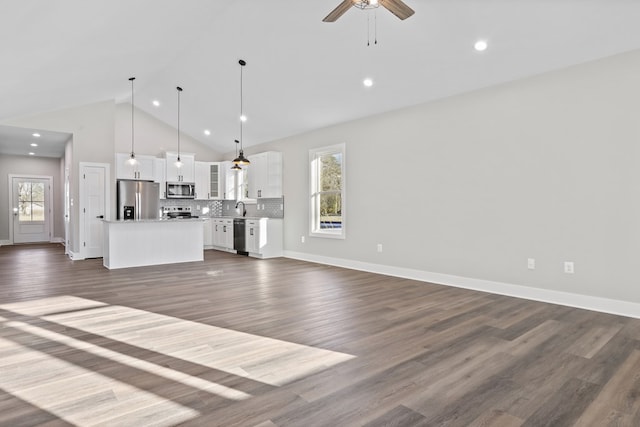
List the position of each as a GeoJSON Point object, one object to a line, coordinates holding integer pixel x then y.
{"type": "Point", "coordinates": [159, 176]}
{"type": "Point", "coordinates": [143, 169]}
{"type": "Point", "coordinates": [215, 181]}
{"type": "Point", "coordinates": [265, 175]}
{"type": "Point", "coordinates": [202, 180]}
{"type": "Point", "coordinates": [210, 180]}
{"type": "Point", "coordinates": [185, 173]}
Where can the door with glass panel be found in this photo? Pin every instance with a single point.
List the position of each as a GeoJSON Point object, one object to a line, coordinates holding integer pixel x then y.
{"type": "Point", "coordinates": [31, 209]}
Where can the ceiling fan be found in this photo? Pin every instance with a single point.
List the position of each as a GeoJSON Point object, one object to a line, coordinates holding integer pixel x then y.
{"type": "Point", "coordinates": [397, 7]}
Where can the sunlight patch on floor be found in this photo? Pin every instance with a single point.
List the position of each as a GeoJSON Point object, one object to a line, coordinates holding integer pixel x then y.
{"type": "Point", "coordinates": [267, 360]}
{"type": "Point", "coordinates": [78, 395]}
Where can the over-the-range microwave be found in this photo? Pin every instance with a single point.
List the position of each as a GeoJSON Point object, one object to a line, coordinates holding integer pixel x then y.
{"type": "Point", "coordinates": [181, 190]}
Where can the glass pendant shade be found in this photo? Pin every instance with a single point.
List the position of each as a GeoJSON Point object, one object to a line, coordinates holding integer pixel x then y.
{"type": "Point", "coordinates": [132, 159]}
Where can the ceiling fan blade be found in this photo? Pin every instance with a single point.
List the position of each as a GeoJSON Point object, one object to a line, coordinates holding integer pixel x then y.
{"type": "Point", "coordinates": [398, 8]}
{"type": "Point", "coordinates": [338, 11]}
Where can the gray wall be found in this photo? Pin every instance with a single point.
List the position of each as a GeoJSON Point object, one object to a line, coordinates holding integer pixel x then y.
{"type": "Point", "coordinates": [154, 138]}
{"type": "Point", "coordinates": [28, 165]}
{"type": "Point", "coordinates": [473, 185]}
{"type": "Point", "coordinates": [92, 127]}
{"type": "Point", "coordinates": [99, 131]}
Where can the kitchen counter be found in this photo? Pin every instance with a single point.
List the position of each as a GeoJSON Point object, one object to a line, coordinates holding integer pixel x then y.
{"type": "Point", "coordinates": [152, 242]}
{"type": "Point", "coordinates": [119, 221]}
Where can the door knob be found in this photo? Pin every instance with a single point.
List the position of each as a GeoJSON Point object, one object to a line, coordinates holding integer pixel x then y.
{"type": "Point", "coordinates": [100, 216]}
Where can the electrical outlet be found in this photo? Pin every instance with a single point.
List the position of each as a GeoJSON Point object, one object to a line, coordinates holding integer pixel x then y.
{"type": "Point", "coordinates": [301, 239]}
{"type": "Point", "coordinates": [568, 267]}
{"type": "Point", "coordinates": [379, 247]}
{"type": "Point", "coordinates": [531, 263]}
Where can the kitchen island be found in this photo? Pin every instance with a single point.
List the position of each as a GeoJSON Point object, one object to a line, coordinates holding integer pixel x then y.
{"type": "Point", "coordinates": [152, 242]}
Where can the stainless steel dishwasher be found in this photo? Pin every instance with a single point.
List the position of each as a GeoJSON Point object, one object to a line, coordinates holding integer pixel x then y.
{"type": "Point", "coordinates": [239, 240]}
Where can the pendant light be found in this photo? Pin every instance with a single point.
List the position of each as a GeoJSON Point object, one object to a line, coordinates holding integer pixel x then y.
{"type": "Point", "coordinates": [235, 166]}
{"type": "Point", "coordinates": [178, 161]}
{"type": "Point", "coordinates": [132, 160]}
{"type": "Point", "coordinates": [241, 160]}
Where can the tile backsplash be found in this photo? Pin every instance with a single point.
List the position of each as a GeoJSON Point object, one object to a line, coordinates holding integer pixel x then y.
{"type": "Point", "coordinates": [268, 208]}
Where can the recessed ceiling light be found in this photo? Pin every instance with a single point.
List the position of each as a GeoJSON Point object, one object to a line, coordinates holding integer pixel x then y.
{"type": "Point", "coordinates": [480, 46]}
{"type": "Point", "coordinates": [37, 135]}
{"type": "Point", "coordinates": [367, 82]}
{"type": "Point", "coordinates": [207, 132]}
{"type": "Point", "coordinates": [31, 153]}
{"type": "Point", "coordinates": [243, 118]}
{"type": "Point", "coordinates": [155, 103]}
{"type": "Point", "coordinates": [33, 144]}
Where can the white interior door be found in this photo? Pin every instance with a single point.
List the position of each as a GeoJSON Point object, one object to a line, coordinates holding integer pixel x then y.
{"type": "Point", "coordinates": [31, 199]}
{"type": "Point", "coordinates": [93, 210]}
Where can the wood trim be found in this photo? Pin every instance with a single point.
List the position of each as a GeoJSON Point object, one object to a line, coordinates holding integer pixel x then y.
{"type": "Point", "coordinates": [588, 302]}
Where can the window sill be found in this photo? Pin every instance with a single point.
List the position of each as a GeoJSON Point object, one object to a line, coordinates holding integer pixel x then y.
{"type": "Point", "coordinates": [327, 235]}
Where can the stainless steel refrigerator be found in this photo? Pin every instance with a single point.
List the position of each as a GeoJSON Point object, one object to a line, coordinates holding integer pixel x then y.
{"type": "Point", "coordinates": [137, 199]}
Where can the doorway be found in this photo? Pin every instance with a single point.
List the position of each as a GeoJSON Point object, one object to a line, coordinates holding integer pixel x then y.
{"type": "Point", "coordinates": [94, 207]}
{"type": "Point", "coordinates": [31, 208]}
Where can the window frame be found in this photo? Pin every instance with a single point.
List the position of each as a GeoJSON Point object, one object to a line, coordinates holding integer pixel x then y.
{"type": "Point", "coordinates": [314, 194]}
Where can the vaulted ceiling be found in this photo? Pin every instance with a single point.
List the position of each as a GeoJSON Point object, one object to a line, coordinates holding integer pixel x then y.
{"type": "Point", "coordinates": [301, 73]}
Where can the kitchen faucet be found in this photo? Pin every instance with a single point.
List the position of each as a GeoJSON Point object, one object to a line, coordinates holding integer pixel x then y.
{"type": "Point", "coordinates": [244, 210]}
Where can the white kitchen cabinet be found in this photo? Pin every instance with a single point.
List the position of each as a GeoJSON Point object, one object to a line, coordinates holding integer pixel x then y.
{"type": "Point", "coordinates": [185, 173]}
{"type": "Point", "coordinates": [202, 180]}
{"type": "Point", "coordinates": [209, 180]}
{"type": "Point", "coordinates": [252, 234]}
{"type": "Point", "coordinates": [265, 175]}
{"type": "Point", "coordinates": [143, 169]}
{"type": "Point", "coordinates": [208, 233]}
{"type": "Point", "coordinates": [223, 233]}
{"type": "Point", "coordinates": [159, 177]}
{"type": "Point", "coordinates": [264, 237]}
{"type": "Point", "coordinates": [216, 180]}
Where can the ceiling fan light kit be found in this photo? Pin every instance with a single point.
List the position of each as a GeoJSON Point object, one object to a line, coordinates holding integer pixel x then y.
{"type": "Point", "coordinates": [397, 7]}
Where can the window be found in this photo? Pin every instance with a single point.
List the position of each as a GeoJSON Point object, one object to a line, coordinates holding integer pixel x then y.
{"type": "Point", "coordinates": [31, 201]}
{"type": "Point", "coordinates": [327, 177]}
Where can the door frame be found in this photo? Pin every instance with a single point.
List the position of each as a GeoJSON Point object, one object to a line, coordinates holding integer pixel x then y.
{"type": "Point", "coordinates": [82, 203]}
{"type": "Point", "coordinates": [10, 204]}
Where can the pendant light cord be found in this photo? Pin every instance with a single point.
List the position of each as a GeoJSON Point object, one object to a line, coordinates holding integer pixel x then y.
{"type": "Point", "coordinates": [242, 64]}
{"type": "Point", "coordinates": [179, 90]}
{"type": "Point", "coordinates": [132, 133]}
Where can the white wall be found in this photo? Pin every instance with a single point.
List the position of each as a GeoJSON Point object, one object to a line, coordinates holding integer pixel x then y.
{"type": "Point", "coordinates": [92, 127]}
{"type": "Point", "coordinates": [28, 165]}
{"type": "Point", "coordinates": [153, 137]}
{"type": "Point", "coordinates": [473, 185]}
{"type": "Point", "coordinates": [99, 131]}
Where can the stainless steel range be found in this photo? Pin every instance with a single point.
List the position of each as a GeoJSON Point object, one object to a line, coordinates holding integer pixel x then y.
{"type": "Point", "coordinates": [177, 212]}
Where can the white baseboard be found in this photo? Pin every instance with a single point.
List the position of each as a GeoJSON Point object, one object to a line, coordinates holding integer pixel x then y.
{"type": "Point", "coordinates": [57, 240]}
{"type": "Point", "coordinates": [605, 305]}
{"type": "Point", "coordinates": [76, 256]}
{"type": "Point", "coordinates": [5, 242]}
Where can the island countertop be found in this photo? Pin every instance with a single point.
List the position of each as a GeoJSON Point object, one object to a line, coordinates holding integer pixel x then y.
{"type": "Point", "coordinates": [137, 221]}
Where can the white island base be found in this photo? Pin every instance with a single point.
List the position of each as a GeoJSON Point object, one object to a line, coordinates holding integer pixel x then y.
{"type": "Point", "coordinates": [152, 242]}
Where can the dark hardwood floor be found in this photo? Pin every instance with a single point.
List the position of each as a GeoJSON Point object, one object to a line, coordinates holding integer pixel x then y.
{"type": "Point", "coordinates": [235, 341]}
